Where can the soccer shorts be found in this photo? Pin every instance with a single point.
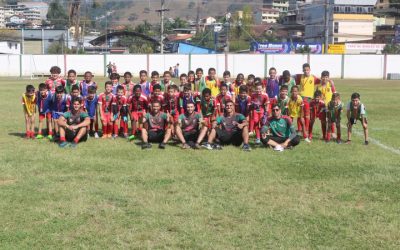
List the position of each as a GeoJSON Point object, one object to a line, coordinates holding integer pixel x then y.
{"type": "Point", "coordinates": [233, 137]}
{"type": "Point", "coordinates": [136, 116]}
{"type": "Point", "coordinates": [46, 115]}
{"type": "Point", "coordinates": [191, 135]}
{"type": "Point", "coordinates": [71, 134]}
{"type": "Point", "coordinates": [156, 136]}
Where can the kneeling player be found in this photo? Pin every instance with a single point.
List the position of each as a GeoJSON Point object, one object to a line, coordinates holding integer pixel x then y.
{"type": "Point", "coordinates": [231, 128]}
{"type": "Point", "coordinates": [73, 125]}
{"type": "Point", "coordinates": [155, 127]}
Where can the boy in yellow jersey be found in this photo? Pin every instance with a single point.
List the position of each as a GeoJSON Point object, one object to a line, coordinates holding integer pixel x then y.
{"type": "Point", "coordinates": [307, 83]}
{"type": "Point", "coordinates": [212, 82]}
{"type": "Point", "coordinates": [29, 107]}
{"type": "Point", "coordinates": [296, 109]}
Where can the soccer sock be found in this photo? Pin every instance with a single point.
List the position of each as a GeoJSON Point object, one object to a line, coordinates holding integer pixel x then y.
{"type": "Point", "coordinates": [104, 127]}
{"type": "Point", "coordinates": [251, 126]}
{"type": "Point", "coordinates": [323, 128]}
{"type": "Point", "coordinates": [124, 126]}
{"type": "Point", "coordinates": [62, 139]}
{"type": "Point", "coordinates": [299, 125]}
{"type": "Point", "coordinates": [333, 128]}
{"type": "Point", "coordinates": [50, 132]}
{"type": "Point", "coordinates": [115, 128]}
{"type": "Point", "coordinates": [310, 128]}
{"type": "Point", "coordinates": [257, 132]}
{"type": "Point", "coordinates": [110, 129]}
{"type": "Point", "coordinates": [28, 133]}
{"type": "Point", "coordinates": [307, 123]}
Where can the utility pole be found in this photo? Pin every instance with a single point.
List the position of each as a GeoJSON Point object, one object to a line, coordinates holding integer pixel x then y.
{"type": "Point", "coordinates": [162, 10]}
{"type": "Point", "coordinates": [326, 40]}
{"type": "Point", "coordinates": [198, 17]}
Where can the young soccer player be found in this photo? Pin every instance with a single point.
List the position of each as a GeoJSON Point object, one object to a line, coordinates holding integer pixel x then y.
{"type": "Point", "coordinates": [334, 111]}
{"type": "Point", "coordinates": [188, 127]}
{"type": "Point", "coordinates": [172, 104]}
{"type": "Point", "coordinates": [71, 81]}
{"type": "Point", "coordinates": [187, 96]}
{"type": "Point", "coordinates": [59, 105]}
{"type": "Point", "coordinates": [243, 102]}
{"type": "Point", "coordinates": [74, 93]}
{"type": "Point", "coordinates": [271, 84]}
{"type": "Point", "coordinates": [236, 85]}
{"type": "Point", "coordinates": [106, 99]}
{"type": "Point", "coordinates": [137, 104]}
{"type": "Point", "coordinates": [287, 80]}
{"type": "Point", "coordinates": [146, 86]}
{"type": "Point", "coordinates": [55, 79]}
{"type": "Point", "coordinates": [166, 81]}
{"type": "Point", "coordinates": [282, 101]}
{"type": "Point", "coordinates": [114, 77]}
{"type": "Point", "coordinates": [128, 84]}
{"type": "Point", "coordinates": [356, 111]}
{"type": "Point", "coordinates": [260, 108]}
{"type": "Point", "coordinates": [317, 110]}
{"type": "Point", "coordinates": [29, 107]}
{"type": "Point", "coordinates": [295, 109]}
{"type": "Point", "coordinates": [250, 84]}
{"type": "Point", "coordinates": [44, 98]}
{"type": "Point", "coordinates": [157, 95]}
{"type": "Point", "coordinates": [192, 81]}
{"type": "Point", "coordinates": [120, 113]}
{"type": "Point", "coordinates": [200, 80]}
{"type": "Point", "coordinates": [155, 127]}
{"type": "Point", "coordinates": [86, 83]}
{"type": "Point", "coordinates": [183, 81]}
{"type": "Point", "coordinates": [227, 80]}
{"type": "Point", "coordinates": [208, 107]}
{"type": "Point", "coordinates": [212, 82]}
{"type": "Point", "coordinates": [326, 87]}
{"type": "Point", "coordinates": [222, 98]}
{"type": "Point", "coordinates": [73, 125]}
{"type": "Point", "coordinates": [91, 102]}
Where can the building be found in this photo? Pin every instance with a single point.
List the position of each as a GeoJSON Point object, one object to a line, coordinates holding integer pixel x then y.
{"type": "Point", "coordinates": [41, 7]}
{"type": "Point", "coordinates": [268, 15]}
{"type": "Point", "coordinates": [10, 47]}
{"type": "Point", "coordinates": [348, 20]}
{"type": "Point", "coordinates": [281, 5]}
{"type": "Point", "coordinates": [386, 20]}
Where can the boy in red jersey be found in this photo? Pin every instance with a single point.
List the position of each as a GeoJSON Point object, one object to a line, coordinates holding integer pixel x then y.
{"type": "Point", "coordinates": [172, 104]}
{"type": "Point", "coordinates": [157, 95]}
{"type": "Point", "coordinates": [317, 108]}
{"type": "Point", "coordinates": [128, 84]}
{"type": "Point", "coordinates": [120, 112]}
{"type": "Point", "coordinates": [222, 98]}
{"type": "Point", "coordinates": [106, 99]}
{"type": "Point", "coordinates": [138, 104]}
{"type": "Point", "coordinates": [260, 108]}
{"type": "Point", "coordinates": [55, 79]}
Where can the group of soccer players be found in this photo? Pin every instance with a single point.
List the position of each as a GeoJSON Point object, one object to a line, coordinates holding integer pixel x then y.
{"type": "Point", "coordinates": [199, 111]}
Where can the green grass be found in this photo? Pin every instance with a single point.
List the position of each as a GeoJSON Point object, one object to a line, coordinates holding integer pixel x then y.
{"type": "Point", "coordinates": [111, 194]}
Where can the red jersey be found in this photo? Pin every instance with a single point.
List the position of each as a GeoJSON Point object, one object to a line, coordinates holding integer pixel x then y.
{"type": "Point", "coordinates": [105, 102]}
{"type": "Point", "coordinates": [316, 108]}
{"type": "Point", "coordinates": [69, 104]}
{"type": "Point", "coordinates": [172, 104]}
{"type": "Point", "coordinates": [159, 98]}
{"type": "Point", "coordinates": [138, 104]}
{"type": "Point", "coordinates": [121, 101]}
{"type": "Point", "coordinates": [128, 88]}
{"type": "Point", "coordinates": [221, 100]}
{"type": "Point", "coordinates": [259, 102]}
{"type": "Point", "coordinates": [52, 84]}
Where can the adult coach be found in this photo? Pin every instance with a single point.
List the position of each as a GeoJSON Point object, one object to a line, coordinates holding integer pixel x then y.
{"type": "Point", "coordinates": [230, 128]}
{"type": "Point", "coordinates": [278, 131]}
{"type": "Point", "coordinates": [73, 125]}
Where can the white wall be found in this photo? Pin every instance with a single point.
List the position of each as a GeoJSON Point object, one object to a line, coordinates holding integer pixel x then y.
{"type": "Point", "coordinates": [355, 66]}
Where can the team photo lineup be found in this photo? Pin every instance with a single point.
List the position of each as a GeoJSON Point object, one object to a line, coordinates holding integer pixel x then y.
{"type": "Point", "coordinates": [201, 111]}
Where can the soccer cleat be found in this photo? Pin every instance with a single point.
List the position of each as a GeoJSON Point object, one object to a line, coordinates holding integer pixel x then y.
{"type": "Point", "coordinates": [73, 145]}
{"type": "Point", "coordinates": [246, 147]}
{"type": "Point", "coordinates": [257, 141]}
{"type": "Point", "coordinates": [146, 145]}
{"type": "Point", "coordinates": [39, 136]}
{"type": "Point", "coordinates": [366, 143]}
{"type": "Point", "coordinates": [96, 135]}
{"type": "Point", "coordinates": [185, 146]}
{"type": "Point", "coordinates": [216, 146]}
{"type": "Point", "coordinates": [279, 148]}
{"type": "Point", "coordinates": [104, 136]}
{"type": "Point", "coordinates": [197, 146]}
{"type": "Point", "coordinates": [339, 141]}
{"type": "Point", "coordinates": [63, 144]}
{"type": "Point", "coordinates": [126, 136]}
{"type": "Point", "coordinates": [132, 137]}
{"type": "Point", "coordinates": [50, 137]}
{"type": "Point", "coordinates": [161, 145]}
{"type": "Point", "coordinates": [207, 146]}
{"type": "Point", "coordinates": [307, 140]}
{"type": "Point", "coordinates": [348, 142]}
{"type": "Point", "coordinates": [114, 136]}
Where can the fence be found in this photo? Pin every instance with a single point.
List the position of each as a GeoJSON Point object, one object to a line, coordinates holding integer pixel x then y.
{"type": "Point", "coordinates": [340, 66]}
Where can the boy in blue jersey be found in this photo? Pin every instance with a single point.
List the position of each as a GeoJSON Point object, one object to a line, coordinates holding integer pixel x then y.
{"type": "Point", "coordinates": [91, 108]}
{"type": "Point", "coordinates": [44, 98]}
{"type": "Point", "coordinates": [59, 105]}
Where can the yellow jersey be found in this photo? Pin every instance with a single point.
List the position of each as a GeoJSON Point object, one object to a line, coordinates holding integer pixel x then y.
{"type": "Point", "coordinates": [29, 103]}
{"type": "Point", "coordinates": [294, 107]}
{"type": "Point", "coordinates": [307, 85]}
{"type": "Point", "coordinates": [213, 85]}
{"type": "Point", "coordinates": [327, 91]}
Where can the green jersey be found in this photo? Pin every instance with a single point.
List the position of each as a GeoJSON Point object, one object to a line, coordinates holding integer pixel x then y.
{"type": "Point", "coordinates": [290, 84]}
{"type": "Point", "coordinates": [357, 112]}
{"type": "Point", "coordinates": [75, 119]}
{"type": "Point", "coordinates": [279, 127]}
{"type": "Point", "coordinates": [229, 123]}
{"type": "Point", "coordinates": [190, 123]}
{"type": "Point", "coordinates": [156, 122]}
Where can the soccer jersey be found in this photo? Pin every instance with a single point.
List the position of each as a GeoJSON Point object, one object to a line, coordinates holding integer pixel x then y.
{"type": "Point", "coordinates": [221, 100]}
{"type": "Point", "coordinates": [229, 123]}
{"type": "Point", "coordinates": [184, 100]}
{"type": "Point", "coordinates": [120, 102]}
{"type": "Point", "coordinates": [356, 112]}
{"type": "Point", "coordinates": [201, 83]}
{"type": "Point", "coordinates": [52, 84]}
{"type": "Point", "coordinates": [190, 123]}
{"type": "Point", "coordinates": [316, 108]}
{"type": "Point", "coordinates": [334, 111]}
{"type": "Point", "coordinates": [91, 106]}
{"type": "Point", "coordinates": [105, 101]}
{"type": "Point", "coordinates": [307, 85]}
{"type": "Point", "coordinates": [147, 88]}
{"type": "Point", "coordinates": [84, 87]}
{"type": "Point", "coordinates": [272, 87]}
{"type": "Point", "coordinates": [213, 85]}
{"type": "Point", "coordinates": [172, 104]}
{"type": "Point", "coordinates": [29, 103]}
{"type": "Point", "coordinates": [235, 87]}
{"type": "Point", "coordinates": [138, 104]}
{"type": "Point", "coordinates": [259, 101]}
{"type": "Point", "coordinates": [75, 119]}
{"type": "Point", "coordinates": [327, 91]}
{"type": "Point", "coordinates": [128, 88]}
{"type": "Point", "coordinates": [295, 106]}
{"type": "Point", "coordinates": [59, 105]}
{"type": "Point", "coordinates": [156, 122]}
{"type": "Point", "coordinates": [243, 106]}
{"type": "Point", "coordinates": [279, 127]}
{"type": "Point", "coordinates": [208, 108]}
{"type": "Point", "coordinates": [69, 85]}
{"type": "Point", "coordinates": [290, 84]}
{"type": "Point", "coordinates": [282, 103]}
{"type": "Point", "coordinates": [165, 86]}
{"type": "Point", "coordinates": [159, 98]}
{"type": "Point", "coordinates": [44, 102]}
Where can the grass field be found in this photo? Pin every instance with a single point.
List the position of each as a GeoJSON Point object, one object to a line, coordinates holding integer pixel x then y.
{"type": "Point", "coordinates": [111, 194]}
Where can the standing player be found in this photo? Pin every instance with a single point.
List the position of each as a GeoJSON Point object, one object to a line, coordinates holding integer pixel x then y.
{"type": "Point", "coordinates": [115, 82]}
{"type": "Point", "coordinates": [91, 102]}
{"type": "Point", "coordinates": [208, 107]}
{"type": "Point", "coordinates": [243, 102]}
{"type": "Point", "coordinates": [106, 99]}
{"type": "Point", "coordinates": [295, 110]}
{"type": "Point", "coordinates": [212, 82]}
{"type": "Point", "coordinates": [144, 84]}
{"type": "Point", "coordinates": [86, 83]}
{"type": "Point", "coordinates": [271, 84]}
{"type": "Point", "coordinates": [282, 101]}
{"type": "Point", "coordinates": [192, 82]}
{"type": "Point", "coordinates": [200, 80]}
{"type": "Point", "coordinates": [55, 79]}
{"type": "Point", "coordinates": [356, 111]}
{"type": "Point", "coordinates": [59, 105]}
{"type": "Point", "coordinates": [222, 98]}
{"type": "Point", "coordinates": [236, 85]}
{"type": "Point", "coordinates": [44, 98]}
{"type": "Point", "coordinates": [29, 107]}
{"type": "Point", "coordinates": [128, 84]}
{"type": "Point", "coordinates": [186, 97]}
{"type": "Point", "coordinates": [71, 81]}
{"type": "Point", "coordinates": [260, 108]}
{"type": "Point", "coordinates": [334, 111]}
{"type": "Point", "coordinates": [317, 110]}
{"type": "Point", "coordinates": [172, 104]}
{"type": "Point", "coordinates": [137, 104]}
{"type": "Point", "coordinates": [155, 127]}
{"type": "Point", "coordinates": [166, 82]}
{"type": "Point", "coordinates": [157, 95]}
{"type": "Point", "coordinates": [287, 80]}
{"type": "Point", "coordinates": [120, 112]}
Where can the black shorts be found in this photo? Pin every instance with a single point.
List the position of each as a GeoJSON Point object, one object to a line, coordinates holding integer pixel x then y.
{"type": "Point", "coordinates": [70, 135]}
{"type": "Point", "coordinates": [233, 137]}
{"type": "Point", "coordinates": [294, 142]}
{"type": "Point", "coordinates": [191, 136]}
{"type": "Point", "coordinates": [156, 136]}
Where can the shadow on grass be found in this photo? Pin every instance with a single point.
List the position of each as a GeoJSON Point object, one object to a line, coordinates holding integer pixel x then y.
{"type": "Point", "coordinates": [16, 134]}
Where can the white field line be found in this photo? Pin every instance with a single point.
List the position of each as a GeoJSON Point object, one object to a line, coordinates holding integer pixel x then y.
{"type": "Point", "coordinates": [374, 141]}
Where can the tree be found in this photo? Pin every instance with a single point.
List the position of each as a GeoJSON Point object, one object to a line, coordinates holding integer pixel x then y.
{"type": "Point", "coordinates": [391, 49]}
{"type": "Point", "coordinates": [57, 15]}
